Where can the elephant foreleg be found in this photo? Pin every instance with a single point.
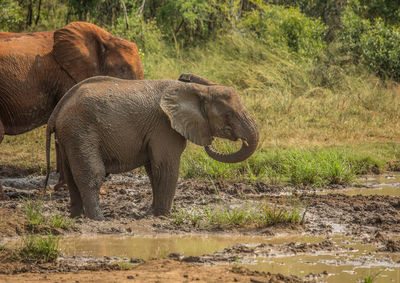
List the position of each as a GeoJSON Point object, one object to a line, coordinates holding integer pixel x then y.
{"type": "Point", "coordinates": [164, 172]}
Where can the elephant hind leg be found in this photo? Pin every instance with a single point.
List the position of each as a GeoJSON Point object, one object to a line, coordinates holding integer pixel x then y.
{"type": "Point", "coordinates": [76, 208]}
{"type": "Point", "coordinates": [89, 172]}
{"type": "Point", "coordinates": [61, 180]}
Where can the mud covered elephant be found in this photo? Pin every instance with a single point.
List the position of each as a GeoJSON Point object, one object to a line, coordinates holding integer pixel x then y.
{"type": "Point", "coordinates": [37, 69]}
{"type": "Point", "coordinates": [107, 125]}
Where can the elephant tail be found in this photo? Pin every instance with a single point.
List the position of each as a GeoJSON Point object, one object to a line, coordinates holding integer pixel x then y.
{"type": "Point", "coordinates": [49, 131]}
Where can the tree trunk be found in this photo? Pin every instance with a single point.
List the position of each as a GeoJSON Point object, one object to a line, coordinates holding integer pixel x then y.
{"type": "Point", "coordinates": [125, 14]}
{"type": "Point", "coordinates": [38, 13]}
{"type": "Point", "coordinates": [30, 14]}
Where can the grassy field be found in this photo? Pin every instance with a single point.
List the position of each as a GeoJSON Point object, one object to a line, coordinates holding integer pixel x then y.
{"type": "Point", "coordinates": [318, 124]}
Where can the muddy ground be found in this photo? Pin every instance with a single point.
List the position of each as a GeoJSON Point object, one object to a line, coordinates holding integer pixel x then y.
{"type": "Point", "coordinates": [126, 204]}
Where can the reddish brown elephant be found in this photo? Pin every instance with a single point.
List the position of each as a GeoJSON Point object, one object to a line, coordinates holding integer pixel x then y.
{"type": "Point", "coordinates": [37, 69]}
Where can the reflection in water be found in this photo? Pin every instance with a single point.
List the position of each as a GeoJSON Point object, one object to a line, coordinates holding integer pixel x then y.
{"type": "Point", "coordinates": [344, 265]}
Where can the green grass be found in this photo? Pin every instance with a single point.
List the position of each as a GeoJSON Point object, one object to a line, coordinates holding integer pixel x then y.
{"type": "Point", "coordinates": [318, 125]}
{"type": "Point", "coordinates": [39, 249]}
{"type": "Point", "coordinates": [262, 215]}
{"type": "Point", "coordinates": [316, 166]}
{"type": "Point", "coordinates": [37, 222]}
{"type": "Point", "coordinates": [34, 217]}
{"type": "Point", "coordinates": [62, 222]}
{"type": "Point", "coordinates": [124, 265]}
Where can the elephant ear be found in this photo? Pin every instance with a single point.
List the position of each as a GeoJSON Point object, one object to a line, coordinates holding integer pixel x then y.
{"type": "Point", "coordinates": [184, 105]}
{"type": "Point", "coordinates": [192, 78]}
{"type": "Point", "coordinates": [78, 48]}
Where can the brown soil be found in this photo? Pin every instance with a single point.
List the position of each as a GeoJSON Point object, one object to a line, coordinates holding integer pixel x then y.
{"type": "Point", "coordinates": [157, 271]}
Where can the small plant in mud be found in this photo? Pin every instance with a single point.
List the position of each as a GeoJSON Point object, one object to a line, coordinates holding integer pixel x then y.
{"type": "Point", "coordinates": [369, 278]}
{"type": "Point", "coordinates": [60, 221]}
{"type": "Point", "coordinates": [279, 215]}
{"type": "Point", "coordinates": [259, 216]}
{"type": "Point", "coordinates": [37, 222]}
{"type": "Point", "coordinates": [125, 265]}
{"type": "Point", "coordinates": [33, 215]}
{"type": "Point", "coordinates": [39, 249]}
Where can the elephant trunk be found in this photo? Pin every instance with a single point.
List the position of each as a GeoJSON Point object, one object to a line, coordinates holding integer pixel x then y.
{"type": "Point", "coordinates": [249, 145]}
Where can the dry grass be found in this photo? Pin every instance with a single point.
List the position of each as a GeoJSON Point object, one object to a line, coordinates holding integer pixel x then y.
{"type": "Point", "coordinates": [295, 106]}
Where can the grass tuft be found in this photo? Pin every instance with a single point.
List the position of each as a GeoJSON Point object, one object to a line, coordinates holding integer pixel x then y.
{"type": "Point", "coordinates": [262, 215]}
{"type": "Point", "coordinates": [37, 222]}
{"type": "Point", "coordinates": [39, 249]}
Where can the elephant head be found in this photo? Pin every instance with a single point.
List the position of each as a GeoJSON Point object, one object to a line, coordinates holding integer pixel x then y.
{"type": "Point", "coordinates": [84, 50]}
{"type": "Point", "coordinates": [201, 110]}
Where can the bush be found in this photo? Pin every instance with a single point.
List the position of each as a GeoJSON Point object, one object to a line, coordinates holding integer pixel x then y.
{"type": "Point", "coordinates": [11, 17]}
{"type": "Point", "coordinates": [351, 32]}
{"type": "Point", "coordinates": [288, 27]}
{"type": "Point", "coordinates": [381, 50]}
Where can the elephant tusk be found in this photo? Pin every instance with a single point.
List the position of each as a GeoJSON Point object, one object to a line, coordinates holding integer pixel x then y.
{"type": "Point", "coordinates": [245, 143]}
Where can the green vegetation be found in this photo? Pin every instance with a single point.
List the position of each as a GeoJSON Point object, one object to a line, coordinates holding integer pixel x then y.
{"type": "Point", "coordinates": [39, 249]}
{"type": "Point", "coordinates": [125, 265]}
{"type": "Point", "coordinates": [36, 222]}
{"type": "Point", "coordinates": [318, 76]}
{"type": "Point", "coordinates": [368, 279]}
{"type": "Point", "coordinates": [221, 217]}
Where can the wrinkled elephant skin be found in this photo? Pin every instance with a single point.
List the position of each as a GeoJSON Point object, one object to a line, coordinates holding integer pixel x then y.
{"type": "Point", "coordinates": [107, 125]}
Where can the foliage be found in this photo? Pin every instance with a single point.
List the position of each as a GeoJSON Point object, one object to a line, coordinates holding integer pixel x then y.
{"type": "Point", "coordinates": [258, 215]}
{"type": "Point", "coordinates": [352, 30]}
{"type": "Point", "coordinates": [37, 222]}
{"type": "Point", "coordinates": [288, 27]}
{"type": "Point", "coordinates": [11, 18]}
{"type": "Point", "coordinates": [387, 10]}
{"type": "Point", "coordinates": [39, 249]}
{"type": "Point", "coordinates": [381, 50]}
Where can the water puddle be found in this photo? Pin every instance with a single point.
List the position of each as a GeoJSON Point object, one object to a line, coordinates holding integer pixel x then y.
{"type": "Point", "coordinates": [385, 184]}
{"type": "Point", "coordinates": [347, 265]}
{"type": "Point", "coordinates": [156, 246]}
{"type": "Point", "coordinates": [346, 260]}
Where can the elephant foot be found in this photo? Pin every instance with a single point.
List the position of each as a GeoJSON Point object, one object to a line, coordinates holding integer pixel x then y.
{"type": "Point", "coordinates": [75, 212]}
{"type": "Point", "coordinates": [94, 214]}
{"type": "Point", "coordinates": [96, 217]}
{"type": "Point", "coordinates": [161, 212]}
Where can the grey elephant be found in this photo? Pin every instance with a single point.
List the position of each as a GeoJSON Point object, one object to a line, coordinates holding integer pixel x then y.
{"type": "Point", "coordinates": [109, 125]}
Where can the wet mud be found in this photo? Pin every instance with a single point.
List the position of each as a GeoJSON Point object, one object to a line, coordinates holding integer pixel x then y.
{"type": "Point", "coordinates": [347, 231]}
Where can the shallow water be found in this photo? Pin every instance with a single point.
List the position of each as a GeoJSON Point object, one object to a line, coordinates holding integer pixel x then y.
{"type": "Point", "coordinates": [386, 184]}
{"type": "Point", "coordinates": [155, 246]}
{"type": "Point", "coordinates": [341, 265]}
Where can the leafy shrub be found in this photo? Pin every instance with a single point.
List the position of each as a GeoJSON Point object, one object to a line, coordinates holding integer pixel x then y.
{"type": "Point", "coordinates": [11, 17]}
{"type": "Point", "coordinates": [277, 25]}
{"type": "Point", "coordinates": [381, 50]}
{"type": "Point", "coordinates": [351, 32]}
